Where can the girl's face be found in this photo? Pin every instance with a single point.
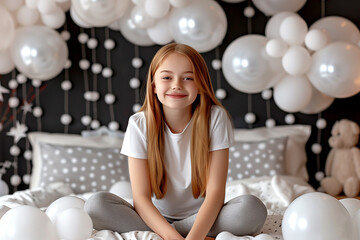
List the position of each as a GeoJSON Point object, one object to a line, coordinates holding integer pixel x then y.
{"type": "Point", "coordinates": [174, 82]}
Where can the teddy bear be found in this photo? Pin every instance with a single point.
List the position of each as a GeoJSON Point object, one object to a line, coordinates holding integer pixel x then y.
{"type": "Point", "coordinates": [342, 167]}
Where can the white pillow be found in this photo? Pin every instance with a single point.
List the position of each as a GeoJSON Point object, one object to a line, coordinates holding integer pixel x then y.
{"type": "Point", "coordinates": [295, 153]}
{"type": "Point", "coordinates": [97, 142]}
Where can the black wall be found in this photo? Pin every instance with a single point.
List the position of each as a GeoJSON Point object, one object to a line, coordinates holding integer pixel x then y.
{"type": "Point", "coordinates": [52, 96]}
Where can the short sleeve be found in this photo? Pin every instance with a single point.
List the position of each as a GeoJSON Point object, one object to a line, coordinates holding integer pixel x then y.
{"type": "Point", "coordinates": [221, 129]}
{"type": "Point", "coordinates": [135, 140]}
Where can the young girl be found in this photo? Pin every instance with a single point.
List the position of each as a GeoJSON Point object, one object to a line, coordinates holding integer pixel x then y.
{"type": "Point", "coordinates": [178, 150]}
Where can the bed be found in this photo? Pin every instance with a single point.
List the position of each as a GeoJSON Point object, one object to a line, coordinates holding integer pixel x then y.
{"type": "Point", "coordinates": [267, 162]}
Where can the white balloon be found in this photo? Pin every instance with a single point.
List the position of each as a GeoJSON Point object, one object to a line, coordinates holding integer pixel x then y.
{"type": "Point", "coordinates": [12, 5]}
{"type": "Point", "coordinates": [335, 70]}
{"type": "Point", "coordinates": [132, 33]}
{"type": "Point", "coordinates": [27, 16]}
{"type": "Point", "coordinates": [64, 5]}
{"type": "Point", "coordinates": [77, 20]}
{"type": "Point", "coordinates": [180, 3]}
{"type": "Point", "coordinates": [100, 13]}
{"type": "Point", "coordinates": [352, 205]}
{"type": "Point", "coordinates": [247, 67]}
{"type": "Point", "coordinates": [160, 32]}
{"type": "Point", "coordinates": [7, 28]}
{"type": "Point", "coordinates": [271, 7]}
{"type": "Point", "coordinates": [59, 205]}
{"type": "Point", "coordinates": [296, 60]}
{"type": "Point", "coordinates": [55, 20]}
{"type": "Point", "coordinates": [202, 25]}
{"type": "Point", "coordinates": [276, 47]}
{"type": "Point", "coordinates": [157, 8]}
{"type": "Point", "coordinates": [338, 29]}
{"type": "Point", "coordinates": [74, 224]}
{"type": "Point", "coordinates": [122, 189]}
{"type": "Point", "coordinates": [292, 93]}
{"type": "Point", "coordinates": [46, 6]}
{"type": "Point", "coordinates": [315, 39]}
{"type": "Point", "coordinates": [318, 102]}
{"type": "Point", "coordinates": [272, 28]}
{"type": "Point", "coordinates": [6, 63]}
{"type": "Point", "coordinates": [39, 52]}
{"type": "Point", "coordinates": [26, 222]}
{"type": "Point", "coordinates": [293, 30]}
{"type": "Point", "coordinates": [316, 216]}
{"type": "Point", "coordinates": [140, 18]}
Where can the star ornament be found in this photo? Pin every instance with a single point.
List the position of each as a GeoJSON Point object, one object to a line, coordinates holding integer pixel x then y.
{"type": "Point", "coordinates": [27, 107]}
{"type": "Point", "coordinates": [18, 132]}
{"type": "Point", "coordinates": [2, 90]}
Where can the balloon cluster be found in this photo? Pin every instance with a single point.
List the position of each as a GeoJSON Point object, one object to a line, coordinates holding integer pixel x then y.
{"type": "Point", "coordinates": [41, 54]}
{"type": "Point", "coordinates": [321, 216]}
{"type": "Point", "coordinates": [63, 219]}
{"type": "Point", "coordinates": [201, 24]}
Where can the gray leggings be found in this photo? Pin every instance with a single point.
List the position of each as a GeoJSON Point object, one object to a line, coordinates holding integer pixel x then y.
{"type": "Point", "coordinates": [243, 215]}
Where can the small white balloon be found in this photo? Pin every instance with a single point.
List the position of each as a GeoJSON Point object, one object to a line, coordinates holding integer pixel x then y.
{"type": "Point", "coordinates": [220, 93]}
{"type": "Point", "coordinates": [316, 148]}
{"type": "Point", "coordinates": [276, 47]}
{"type": "Point", "coordinates": [66, 85]}
{"type": "Point", "coordinates": [14, 150]}
{"type": "Point", "coordinates": [84, 64]}
{"type": "Point", "coordinates": [13, 84]}
{"type": "Point", "coordinates": [109, 44]}
{"type": "Point", "coordinates": [110, 98]}
{"type": "Point", "coordinates": [28, 155]}
{"type": "Point", "coordinates": [15, 180]}
{"type": "Point", "coordinates": [319, 175]}
{"type": "Point", "coordinates": [56, 207]}
{"type": "Point", "coordinates": [289, 118]}
{"type": "Point", "coordinates": [113, 126]}
{"type": "Point", "coordinates": [136, 107]}
{"type": "Point", "coordinates": [137, 62]}
{"type": "Point", "coordinates": [216, 64]}
{"type": "Point", "coordinates": [65, 119]}
{"type": "Point", "coordinates": [107, 72]}
{"type": "Point", "coordinates": [157, 8]}
{"type": "Point", "coordinates": [83, 38]}
{"type": "Point", "coordinates": [293, 30]}
{"type": "Point", "coordinates": [134, 83]}
{"type": "Point", "coordinates": [86, 120]}
{"type": "Point", "coordinates": [46, 6]}
{"type": "Point", "coordinates": [296, 60]}
{"type": "Point", "coordinates": [270, 123]}
{"type": "Point", "coordinates": [27, 16]}
{"type": "Point", "coordinates": [95, 124]}
{"type": "Point", "coordinates": [321, 123]}
{"type": "Point", "coordinates": [96, 68]}
{"type": "Point", "coordinates": [250, 118]}
{"type": "Point", "coordinates": [37, 111]}
{"type": "Point", "coordinates": [92, 43]}
{"type": "Point", "coordinates": [13, 102]}
{"type": "Point", "coordinates": [264, 236]}
{"type": "Point", "coordinates": [315, 39]}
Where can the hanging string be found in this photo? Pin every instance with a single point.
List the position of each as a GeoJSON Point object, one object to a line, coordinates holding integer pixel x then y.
{"type": "Point", "coordinates": [137, 75]}
{"type": "Point", "coordinates": [66, 93]}
{"type": "Point", "coordinates": [93, 59]}
{"type": "Point", "coordinates": [322, 8]}
{"type": "Point", "coordinates": [109, 79]}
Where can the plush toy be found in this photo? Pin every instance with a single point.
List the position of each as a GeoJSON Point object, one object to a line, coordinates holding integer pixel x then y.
{"type": "Point", "coordinates": [343, 162]}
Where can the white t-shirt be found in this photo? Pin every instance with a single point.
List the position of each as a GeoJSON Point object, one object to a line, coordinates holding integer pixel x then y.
{"type": "Point", "coordinates": [178, 202]}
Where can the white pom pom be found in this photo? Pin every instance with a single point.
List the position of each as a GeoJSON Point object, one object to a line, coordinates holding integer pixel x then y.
{"type": "Point", "coordinates": [28, 155]}
{"type": "Point", "coordinates": [21, 78]}
{"type": "Point", "coordinates": [15, 180]}
{"type": "Point", "coordinates": [109, 44]}
{"type": "Point", "coordinates": [65, 35]}
{"type": "Point", "coordinates": [110, 98]}
{"type": "Point", "coordinates": [36, 83]}
{"type": "Point", "coordinates": [134, 83]}
{"type": "Point", "coordinates": [26, 179]}
{"type": "Point", "coordinates": [95, 124]}
{"type": "Point", "coordinates": [37, 111]}
{"type": "Point", "coordinates": [216, 64]}
{"type": "Point", "coordinates": [86, 120]}
{"type": "Point", "coordinates": [107, 72]}
{"type": "Point", "coordinates": [65, 119]}
{"type": "Point", "coordinates": [96, 68]}
{"type": "Point", "coordinates": [137, 62]}
{"type": "Point", "coordinates": [113, 126]}
{"type": "Point", "coordinates": [266, 94]}
{"type": "Point", "coordinates": [93, 96]}
{"type": "Point", "coordinates": [13, 102]}
{"type": "Point", "coordinates": [316, 148]}
{"type": "Point", "coordinates": [321, 123]}
{"type": "Point", "coordinates": [68, 64]}
{"type": "Point", "coordinates": [136, 107]}
{"type": "Point", "coordinates": [250, 118]}
{"type": "Point", "coordinates": [13, 84]}
{"type": "Point", "coordinates": [319, 175]}
{"type": "Point", "coordinates": [249, 12]}
{"type": "Point", "coordinates": [14, 150]}
{"type": "Point", "coordinates": [289, 118]}
{"type": "Point", "coordinates": [83, 38]}
{"type": "Point", "coordinates": [66, 85]}
{"type": "Point", "coordinates": [92, 43]}
{"type": "Point", "coordinates": [220, 93]}
{"type": "Point", "coordinates": [270, 123]}
{"type": "Point", "coordinates": [84, 64]}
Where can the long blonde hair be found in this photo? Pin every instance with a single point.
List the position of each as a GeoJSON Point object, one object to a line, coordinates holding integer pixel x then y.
{"type": "Point", "coordinates": [201, 121]}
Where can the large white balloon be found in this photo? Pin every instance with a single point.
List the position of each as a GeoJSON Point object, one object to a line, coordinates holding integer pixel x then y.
{"type": "Point", "coordinates": [272, 28]}
{"type": "Point", "coordinates": [318, 103]}
{"type": "Point", "coordinates": [292, 93]}
{"type": "Point", "coordinates": [202, 25]}
{"type": "Point", "coordinates": [338, 29]}
{"type": "Point", "coordinates": [132, 33]}
{"type": "Point", "coordinates": [39, 52]}
{"type": "Point", "coordinates": [100, 13]}
{"type": "Point", "coordinates": [7, 28]}
{"type": "Point", "coordinates": [160, 32]}
{"type": "Point", "coordinates": [271, 7]}
{"type": "Point", "coordinates": [157, 8]}
{"type": "Point", "coordinates": [6, 63]}
{"type": "Point", "coordinates": [316, 216]}
{"type": "Point", "coordinates": [335, 70]}
{"type": "Point", "coordinates": [247, 67]}
{"type": "Point", "coordinates": [77, 20]}
{"type": "Point", "coordinates": [180, 3]}
{"type": "Point", "coordinates": [61, 204]}
{"type": "Point", "coordinates": [26, 222]}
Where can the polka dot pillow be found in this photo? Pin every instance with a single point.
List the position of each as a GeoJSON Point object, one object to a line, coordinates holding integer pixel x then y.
{"type": "Point", "coordinates": [257, 159]}
{"type": "Point", "coordinates": [86, 169]}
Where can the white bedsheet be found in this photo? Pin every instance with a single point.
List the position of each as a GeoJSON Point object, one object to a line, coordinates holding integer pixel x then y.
{"type": "Point", "coordinates": [276, 192]}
